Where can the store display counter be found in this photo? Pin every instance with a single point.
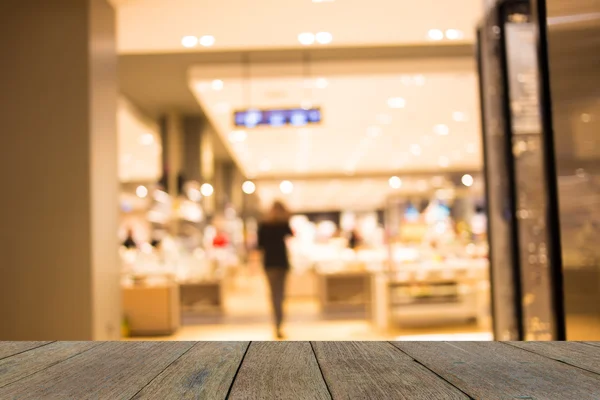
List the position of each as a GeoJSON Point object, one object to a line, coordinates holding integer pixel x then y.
{"type": "Point", "coordinates": [202, 296]}
{"type": "Point", "coordinates": [440, 293]}
{"type": "Point", "coordinates": [151, 308]}
{"type": "Point", "coordinates": [344, 291]}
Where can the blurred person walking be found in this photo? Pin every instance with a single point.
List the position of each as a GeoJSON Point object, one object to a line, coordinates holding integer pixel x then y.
{"type": "Point", "coordinates": [273, 232]}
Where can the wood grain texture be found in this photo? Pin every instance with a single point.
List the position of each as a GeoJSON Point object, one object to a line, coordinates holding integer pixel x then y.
{"type": "Point", "coordinates": [494, 370]}
{"type": "Point", "coordinates": [279, 370]}
{"type": "Point", "coordinates": [113, 370]}
{"type": "Point", "coordinates": [8, 349]}
{"type": "Point", "coordinates": [572, 353]}
{"type": "Point", "coordinates": [204, 372]}
{"type": "Point", "coordinates": [28, 363]}
{"type": "Point", "coordinates": [377, 370]}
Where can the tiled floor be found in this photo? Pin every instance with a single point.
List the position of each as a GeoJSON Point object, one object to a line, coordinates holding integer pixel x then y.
{"type": "Point", "coordinates": [247, 317]}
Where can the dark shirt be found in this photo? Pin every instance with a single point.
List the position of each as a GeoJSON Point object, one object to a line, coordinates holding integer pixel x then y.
{"type": "Point", "coordinates": [271, 239]}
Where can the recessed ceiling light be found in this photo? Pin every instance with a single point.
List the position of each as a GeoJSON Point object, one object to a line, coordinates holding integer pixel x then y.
{"type": "Point", "coordinates": [586, 118]}
{"type": "Point", "coordinates": [306, 38]}
{"type": "Point", "coordinates": [471, 148]}
{"type": "Point", "coordinates": [396, 102]}
{"type": "Point", "coordinates": [416, 150]}
{"type": "Point", "coordinates": [395, 182]}
{"type": "Point", "coordinates": [459, 116]}
{"type": "Point", "coordinates": [141, 192]}
{"type": "Point", "coordinates": [147, 139]}
{"type": "Point", "coordinates": [454, 34]}
{"type": "Point", "coordinates": [238, 136]}
{"type": "Point", "coordinates": [207, 40]}
{"type": "Point", "coordinates": [444, 162]}
{"type": "Point", "coordinates": [373, 131]}
{"type": "Point", "coordinates": [419, 80]}
{"type": "Point", "coordinates": [321, 83]}
{"type": "Point", "coordinates": [467, 180]}
{"type": "Point", "coordinates": [207, 190]}
{"type": "Point", "coordinates": [435, 34]}
{"type": "Point", "coordinates": [286, 187]}
{"type": "Point", "coordinates": [248, 187]}
{"type": "Point", "coordinates": [324, 37]}
{"type": "Point", "coordinates": [189, 41]}
{"type": "Point", "coordinates": [441, 130]}
{"type": "Point", "coordinates": [217, 85]}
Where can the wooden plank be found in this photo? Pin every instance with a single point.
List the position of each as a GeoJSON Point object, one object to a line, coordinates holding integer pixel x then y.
{"type": "Point", "coordinates": [113, 370]}
{"type": "Point", "coordinates": [597, 344]}
{"type": "Point", "coordinates": [578, 354]}
{"type": "Point", "coordinates": [377, 370]}
{"type": "Point", "coordinates": [205, 371]}
{"type": "Point", "coordinates": [279, 370]}
{"type": "Point", "coordinates": [28, 363]}
{"type": "Point", "coordinates": [8, 349]}
{"type": "Point", "coordinates": [494, 370]}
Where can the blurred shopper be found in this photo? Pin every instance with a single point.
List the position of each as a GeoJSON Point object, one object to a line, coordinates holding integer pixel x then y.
{"type": "Point", "coordinates": [129, 242]}
{"type": "Point", "coordinates": [354, 240]}
{"type": "Point", "coordinates": [272, 235]}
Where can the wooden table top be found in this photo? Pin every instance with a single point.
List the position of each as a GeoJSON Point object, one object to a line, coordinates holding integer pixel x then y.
{"type": "Point", "coordinates": [300, 370]}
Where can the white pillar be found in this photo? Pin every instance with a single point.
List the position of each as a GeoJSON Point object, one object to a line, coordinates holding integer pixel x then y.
{"type": "Point", "coordinates": [59, 267]}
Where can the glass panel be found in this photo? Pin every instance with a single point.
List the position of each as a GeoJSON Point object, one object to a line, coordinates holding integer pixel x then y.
{"type": "Point", "coordinates": [574, 57]}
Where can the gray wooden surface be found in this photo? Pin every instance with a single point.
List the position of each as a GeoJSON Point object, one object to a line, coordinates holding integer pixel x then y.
{"type": "Point", "coordinates": [299, 370]}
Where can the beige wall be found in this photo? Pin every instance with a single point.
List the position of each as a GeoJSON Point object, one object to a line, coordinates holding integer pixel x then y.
{"type": "Point", "coordinates": [58, 168]}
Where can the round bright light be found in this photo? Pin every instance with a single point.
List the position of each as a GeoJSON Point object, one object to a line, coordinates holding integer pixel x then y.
{"type": "Point", "coordinates": [459, 116]}
{"type": "Point", "coordinates": [396, 102]}
{"type": "Point", "coordinates": [395, 182]}
{"type": "Point", "coordinates": [471, 148]}
{"type": "Point", "coordinates": [419, 80]}
{"type": "Point", "coordinates": [321, 83]}
{"type": "Point", "coordinates": [467, 180]}
{"type": "Point", "coordinates": [415, 149]}
{"type": "Point", "coordinates": [454, 34]}
{"type": "Point", "coordinates": [147, 139]}
{"type": "Point", "coordinates": [324, 37]}
{"type": "Point", "coordinates": [207, 40]}
{"type": "Point", "coordinates": [435, 34]}
{"type": "Point", "coordinates": [141, 192]}
{"type": "Point", "coordinates": [207, 190]}
{"type": "Point", "coordinates": [306, 38]}
{"type": "Point", "coordinates": [217, 84]}
{"type": "Point", "coordinates": [238, 136]}
{"type": "Point", "coordinates": [444, 162]}
{"type": "Point", "coordinates": [441, 130]}
{"type": "Point", "coordinates": [286, 187]}
{"type": "Point", "coordinates": [248, 187]}
{"type": "Point", "coordinates": [194, 195]}
{"type": "Point", "coordinates": [189, 41]}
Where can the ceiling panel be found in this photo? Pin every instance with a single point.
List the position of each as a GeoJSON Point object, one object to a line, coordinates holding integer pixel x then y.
{"type": "Point", "coordinates": [436, 130]}
{"type": "Point", "coordinates": [146, 26]}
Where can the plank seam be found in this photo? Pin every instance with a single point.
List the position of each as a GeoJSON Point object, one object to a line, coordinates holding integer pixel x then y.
{"type": "Point", "coordinates": [163, 370]}
{"type": "Point", "coordinates": [321, 370]}
{"type": "Point", "coordinates": [432, 371]}
{"type": "Point", "coordinates": [553, 359]}
{"type": "Point", "coordinates": [237, 371]}
{"type": "Point", "coordinates": [25, 351]}
{"type": "Point", "coordinates": [51, 365]}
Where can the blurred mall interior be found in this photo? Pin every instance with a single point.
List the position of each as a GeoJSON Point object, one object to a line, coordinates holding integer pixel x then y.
{"type": "Point", "coordinates": [441, 161]}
